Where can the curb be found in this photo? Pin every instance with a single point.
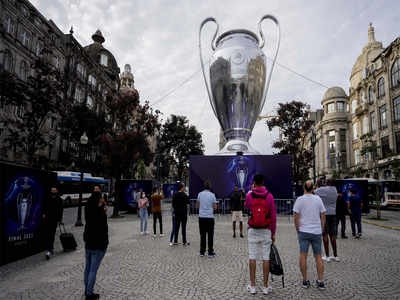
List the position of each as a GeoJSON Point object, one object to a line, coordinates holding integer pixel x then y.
{"type": "Point", "coordinates": [382, 225]}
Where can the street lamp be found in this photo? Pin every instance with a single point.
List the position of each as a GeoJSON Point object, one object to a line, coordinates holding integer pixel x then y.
{"type": "Point", "coordinates": [313, 142]}
{"type": "Point", "coordinates": [83, 141]}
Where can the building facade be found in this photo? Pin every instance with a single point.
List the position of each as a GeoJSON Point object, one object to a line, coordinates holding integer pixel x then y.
{"type": "Point", "coordinates": [359, 134]}
{"type": "Point", "coordinates": [89, 73]}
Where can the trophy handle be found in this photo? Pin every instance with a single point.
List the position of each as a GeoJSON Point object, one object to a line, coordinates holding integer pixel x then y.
{"type": "Point", "coordinates": [213, 46]}
{"type": "Point", "coordinates": [261, 45]}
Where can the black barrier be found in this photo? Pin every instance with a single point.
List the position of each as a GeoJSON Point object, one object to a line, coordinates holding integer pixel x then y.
{"type": "Point", "coordinates": [22, 193]}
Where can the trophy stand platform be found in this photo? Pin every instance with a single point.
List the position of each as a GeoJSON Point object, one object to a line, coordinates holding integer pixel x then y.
{"type": "Point", "coordinates": [232, 147]}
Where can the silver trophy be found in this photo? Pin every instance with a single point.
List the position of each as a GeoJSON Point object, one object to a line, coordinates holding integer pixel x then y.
{"type": "Point", "coordinates": [237, 82]}
{"type": "Point", "coordinates": [241, 173]}
{"type": "Point", "coordinates": [24, 203]}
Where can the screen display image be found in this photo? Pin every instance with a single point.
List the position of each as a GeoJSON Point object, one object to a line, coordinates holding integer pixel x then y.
{"type": "Point", "coordinates": [224, 172]}
{"type": "Point", "coordinates": [131, 189]}
{"type": "Point", "coordinates": [169, 190]}
{"type": "Point", "coordinates": [361, 187]}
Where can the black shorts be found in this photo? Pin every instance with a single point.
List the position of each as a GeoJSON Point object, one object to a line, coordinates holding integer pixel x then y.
{"type": "Point", "coordinates": [330, 225]}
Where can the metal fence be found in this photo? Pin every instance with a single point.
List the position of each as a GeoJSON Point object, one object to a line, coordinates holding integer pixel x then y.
{"type": "Point", "coordinates": [284, 207]}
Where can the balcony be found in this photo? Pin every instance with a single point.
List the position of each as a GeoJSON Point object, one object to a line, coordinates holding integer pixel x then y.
{"type": "Point", "coordinates": [361, 109]}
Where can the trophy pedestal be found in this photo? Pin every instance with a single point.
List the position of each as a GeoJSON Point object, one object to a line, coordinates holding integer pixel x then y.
{"type": "Point", "coordinates": [234, 146]}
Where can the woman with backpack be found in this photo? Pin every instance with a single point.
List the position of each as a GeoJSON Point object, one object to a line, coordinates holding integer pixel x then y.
{"type": "Point", "coordinates": [143, 212]}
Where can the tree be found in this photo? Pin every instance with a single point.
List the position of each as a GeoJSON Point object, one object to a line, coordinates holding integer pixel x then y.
{"type": "Point", "coordinates": [36, 104]}
{"type": "Point", "coordinates": [294, 126]}
{"type": "Point", "coordinates": [128, 140]}
{"type": "Point", "coordinates": [178, 141]}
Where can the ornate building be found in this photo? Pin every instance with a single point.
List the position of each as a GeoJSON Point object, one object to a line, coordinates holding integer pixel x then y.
{"type": "Point", "coordinates": [89, 72]}
{"type": "Point", "coordinates": [359, 134]}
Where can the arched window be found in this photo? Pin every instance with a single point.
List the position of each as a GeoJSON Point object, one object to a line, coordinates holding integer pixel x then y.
{"type": "Point", "coordinates": [23, 71]}
{"type": "Point", "coordinates": [381, 87]}
{"type": "Point", "coordinates": [396, 74]}
{"type": "Point", "coordinates": [353, 106]}
{"type": "Point", "coordinates": [371, 95]}
{"type": "Point", "coordinates": [7, 60]}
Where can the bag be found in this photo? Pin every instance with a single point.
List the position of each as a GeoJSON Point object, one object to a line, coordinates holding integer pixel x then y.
{"type": "Point", "coordinates": [67, 239]}
{"type": "Point", "coordinates": [275, 264]}
{"type": "Point", "coordinates": [260, 215]}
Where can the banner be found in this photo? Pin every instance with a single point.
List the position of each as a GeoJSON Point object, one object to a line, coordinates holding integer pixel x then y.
{"type": "Point", "coordinates": [361, 186]}
{"type": "Point", "coordinates": [224, 172]}
{"type": "Point", "coordinates": [130, 189]}
{"type": "Point", "coordinates": [23, 192]}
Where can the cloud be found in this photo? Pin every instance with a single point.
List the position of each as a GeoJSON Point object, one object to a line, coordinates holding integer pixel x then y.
{"type": "Point", "coordinates": [320, 39]}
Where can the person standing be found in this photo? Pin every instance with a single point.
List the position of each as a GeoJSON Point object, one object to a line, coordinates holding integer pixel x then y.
{"type": "Point", "coordinates": [309, 219]}
{"type": "Point", "coordinates": [143, 204]}
{"type": "Point", "coordinates": [262, 228]}
{"type": "Point", "coordinates": [156, 210]}
{"type": "Point", "coordinates": [329, 195]}
{"type": "Point", "coordinates": [179, 204]}
{"type": "Point", "coordinates": [237, 213]}
{"type": "Point", "coordinates": [95, 237]}
{"type": "Point", "coordinates": [206, 202]}
{"type": "Point", "coordinates": [52, 215]}
{"type": "Point", "coordinates": [355, 206]}
{"type": "Point", "coordinates": [341, 212]}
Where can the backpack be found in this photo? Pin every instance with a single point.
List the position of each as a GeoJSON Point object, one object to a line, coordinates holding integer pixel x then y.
{"type": "Point", "coordinates": [275, 264]}
{"type": "Point", "coordinates": [260, 214]}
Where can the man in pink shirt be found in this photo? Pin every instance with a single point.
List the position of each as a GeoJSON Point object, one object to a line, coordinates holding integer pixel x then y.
{"type": "Point", "coordinates": [261, 230]}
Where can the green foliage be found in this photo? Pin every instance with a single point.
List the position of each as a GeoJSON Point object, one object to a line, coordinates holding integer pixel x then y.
{"type": "Point", "coordinates": [178, 141]}
{"type": "Point", "coordinates": [294, 125]}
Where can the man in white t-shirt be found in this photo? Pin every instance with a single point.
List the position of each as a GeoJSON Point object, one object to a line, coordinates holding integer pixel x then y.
{"type": "Point", "coordinates": [309, 219]}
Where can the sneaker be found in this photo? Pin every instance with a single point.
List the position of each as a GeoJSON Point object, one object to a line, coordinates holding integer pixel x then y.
{"type": "Point", "coordinates": [241, 235]}
{"type": "Point", "coordinates": [344, 237]}
{"type": "Point", "coordinates": [267, 290]}
{"type": "Point", "coordinates": [325, 258]}
{"type": "Point", "coordinates": [154, 235]}
{"type": "Point", "coordinates": [92, 296]}
{"type": "Point", "coordinates": [186, 244]}
{"type": "Point", "coordinates": [141, 233]}
{"type": "Point", "coordinates": [334, 258]}
{"type": "Point", "coordinates": [359, 235]}
{"type": "Point", "coordinates": [162, 234]}
{"type": "Point", "coordinates": [201, 254]}
{"type": "Point", "coordinates": [306, 284]}
{"type": "Point", "coordinates": [251, 289]}
{"type": "Point", "coordinates": [211, 255]}
{"type": "Point", "coordinates": [234, 235]}
{"type": "Point", "coordinates": [48, 254]}
{"type": "Point", "coordinates": [320, 285]}
{"type": "Point", "coordinates": [171, 244]}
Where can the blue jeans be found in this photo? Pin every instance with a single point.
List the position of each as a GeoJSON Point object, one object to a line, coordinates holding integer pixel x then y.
{"type": "Point", "coordinates": [305, 239]}
{"type": "Point", "coordinates": [355, 218]}
{"type": "Point", "coordinates": [171, 236]}
{"type": "Point", "coordinates": [144, 215]}
{"type": "Point", "coordinates": [93, 260]}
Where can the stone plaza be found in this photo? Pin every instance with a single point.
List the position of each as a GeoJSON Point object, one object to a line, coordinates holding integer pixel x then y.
{"type": "Point", "coordinates": [141, 267]}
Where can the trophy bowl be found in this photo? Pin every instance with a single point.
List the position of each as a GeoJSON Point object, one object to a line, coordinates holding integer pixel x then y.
{"type": "Point", "coordinates": [237, 82]}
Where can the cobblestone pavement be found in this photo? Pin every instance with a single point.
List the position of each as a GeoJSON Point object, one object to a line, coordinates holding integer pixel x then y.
{"type": "Point", "coordinates": [140, 267]}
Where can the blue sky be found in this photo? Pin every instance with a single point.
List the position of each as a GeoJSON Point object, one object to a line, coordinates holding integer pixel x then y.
{"type": "Point", "coordinates": [319, 39]}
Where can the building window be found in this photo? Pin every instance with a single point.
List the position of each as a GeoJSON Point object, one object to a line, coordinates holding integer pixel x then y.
{"type": "Point", "coordinates": [78, 95]}
{"type": "Point", "coordinates": [381, 87]}
{"type": "Point", "coordinates": [371, 95]}
{"type": "Point", "coordinates": [7, 60]}
{"type": "Point", "coordinates": [57, 62]}
{"type": "Point", "coordinates": [353, 106]}
{"type": "Point", "coordinates": [89, 102]}
{"type": "Point", "coordinates": [19, 111]}
{"type": "Point", "coordinates": [363, 97]}
{"type": "Point", "coordinates": [340, 106]}
{"type": "Point", "coordinates": [331, 108]}
{"type": "Point", "coordinates": [25, 38]}
{"type": "Point", "coordinates": [365, 128]}
{"type": "Point", "coordinates": [81, 70]}
{"type": "Point", "coordinates": [373, 121]}
{"type": "Point", "coordinates": [396, 109]}
{"type": "Point", "coordinates": [383, 116]}
{"type": "Point", "coordinates": [9, 25]}
{"type": "Point", "coordinates": [52, 122]}
{"type": "Point", "coordinates": [398, 141]}
{"type": "Point", "coordinates": [104, 60]}
{"type": "Point", "coordinates": [92, 80]}
{"type": "Point", "coordinates": [342, 135]}
{"type": "Point", "coordinates": [385, 146]}
{"type": "Point", "coordinates": [355, 131]}
{"type": "Point", "coordinates": [23, 71]}
{"type": "Point", "coordinates": [396, 74]}
{"type": "Point", "coordinates": [356, 157]}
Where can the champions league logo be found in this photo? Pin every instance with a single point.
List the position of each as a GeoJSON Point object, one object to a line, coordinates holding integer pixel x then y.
{"type": "Point", "coordinates": [239, 166]}
{"type": "Point", "coordinates": [24, 203]}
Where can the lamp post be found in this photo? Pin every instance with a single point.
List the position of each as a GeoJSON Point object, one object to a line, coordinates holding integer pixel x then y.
{"type": "Point", "coordinates": [83, 141]}
{"type": "Point", "coordinates": [313, 142]}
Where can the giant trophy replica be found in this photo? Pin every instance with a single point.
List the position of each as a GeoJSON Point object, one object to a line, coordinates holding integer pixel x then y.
{"type": "Point", "coordinates": [237, 82]}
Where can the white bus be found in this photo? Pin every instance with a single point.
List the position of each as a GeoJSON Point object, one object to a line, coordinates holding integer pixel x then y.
{"type": "Point", "coordinates": [69, 185]}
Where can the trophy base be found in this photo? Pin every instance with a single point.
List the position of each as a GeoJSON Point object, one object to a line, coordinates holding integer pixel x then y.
{"type": "Point", "coordinates": [234, 146]}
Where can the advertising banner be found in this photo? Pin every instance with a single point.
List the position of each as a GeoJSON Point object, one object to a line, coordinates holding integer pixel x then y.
{"type": "Point", "coordinates": [22, 192]}
{"type": "Point", "coordinates": [224, 172]}
{"type": "Point", "coordinates": [130, 190]}
{"type": "Point", "coordinates": [361, 186]}
{"type": "Point", "coordinates": [169, 189]}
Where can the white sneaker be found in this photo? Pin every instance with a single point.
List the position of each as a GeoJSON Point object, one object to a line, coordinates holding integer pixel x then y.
{"type": "Point", "coordinates": [171, 244]}
{"type": "Point", "coordinates": [141, 233]}
{"type": "Point", "coordinates": [48, 254]}
{"type": "Point", "coordinates": [154, 235]}
{"type": "Point", "coordinates": [327, 259]}
{"type": "Point", "coordinates": [267, 290]}
{"type": "Point", "coordinates": [162, 234]}
{"type": "Point", "coordinates": [334, 258]}
{"type": "Point", "coordinates": [251, 289]}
